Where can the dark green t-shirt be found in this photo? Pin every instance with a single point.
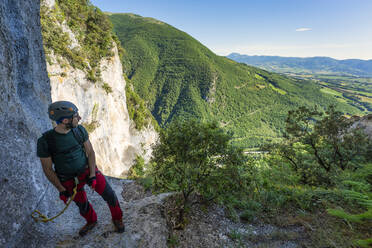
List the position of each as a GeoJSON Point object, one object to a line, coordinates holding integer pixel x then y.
{"type": "Point", "coordinates": [70, 162]}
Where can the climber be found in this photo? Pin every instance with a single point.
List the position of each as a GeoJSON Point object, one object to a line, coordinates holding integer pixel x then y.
{"type": "Point", "coordinates": [67, 146]}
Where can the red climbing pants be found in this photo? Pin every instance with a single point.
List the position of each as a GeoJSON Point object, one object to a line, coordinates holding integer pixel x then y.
{"type": "Point", "coordinates": [102, 187]}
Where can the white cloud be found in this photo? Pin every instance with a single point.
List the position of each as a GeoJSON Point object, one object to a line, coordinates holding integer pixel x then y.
{"type": "Point", "coordinates": [302, 29]}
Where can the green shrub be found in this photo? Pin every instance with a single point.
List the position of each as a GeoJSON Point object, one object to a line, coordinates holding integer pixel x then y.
{"type": "Point", "coordinates": [137, 110]}
{"type": "Point", "coordinates": [138, 168]}
{"type": "Point", "coordinates": [90, 127]}
{"type": "Point", "coordinates": [248, 215]}
{"type": "Point", "coordinates": [147, 182]}
{"type": "Point", "coordinates": [366, 243]}
{"type": "Point", "coordinates": [196, 158]}
{"type": "Point", "coordinates": [231, 213]}
{"type": "Point", "coordinates": [318, 146]}
{"type": "Point", "coordinates": [360, 192]}
{"type": "Point", "coordinates": [172, 241]}
{"type": "Point", "coordinates": [107, 88]}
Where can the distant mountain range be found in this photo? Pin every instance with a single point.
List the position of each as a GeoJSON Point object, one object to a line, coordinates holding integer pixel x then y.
{"type": "Point", "coordinates": [312, 65]}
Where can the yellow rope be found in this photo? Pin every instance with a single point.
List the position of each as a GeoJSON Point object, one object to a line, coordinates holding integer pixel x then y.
{"type": "Point", "coordinates": [43, 218]}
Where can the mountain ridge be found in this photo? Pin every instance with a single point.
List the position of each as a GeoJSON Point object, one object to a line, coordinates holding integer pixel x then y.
{"type": "Point", "coordinates": [355, 67]}
{"type": "Point", "coordinates": [179, 77]}
{"type": "Point", "coordinates": [288, 57]}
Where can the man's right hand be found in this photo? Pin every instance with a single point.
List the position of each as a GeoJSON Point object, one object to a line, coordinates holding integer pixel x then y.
{"type": "Point", "coordinates": [64, 195]}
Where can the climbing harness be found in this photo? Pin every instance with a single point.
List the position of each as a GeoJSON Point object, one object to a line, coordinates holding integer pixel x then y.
{"type": "Point", "coordinates": [37, 216]}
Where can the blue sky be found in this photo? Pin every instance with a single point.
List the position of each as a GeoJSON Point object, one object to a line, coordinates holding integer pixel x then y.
{"type": "Point", "coordinates": [341, 29]}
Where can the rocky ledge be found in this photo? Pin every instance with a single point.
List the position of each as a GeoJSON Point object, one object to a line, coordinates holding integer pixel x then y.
{"type": "Point", "coordinates": [146, 218]}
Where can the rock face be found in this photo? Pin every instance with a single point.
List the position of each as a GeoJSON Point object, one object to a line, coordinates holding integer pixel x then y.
{"type": "Point", "coordinates": [24, 97]}
{"type": "Point", "coordinates": [113, 134]}
{"type": "Point", "coordinates": [145, 225]}
{"type": "Point", "coordinates": [25, 94]}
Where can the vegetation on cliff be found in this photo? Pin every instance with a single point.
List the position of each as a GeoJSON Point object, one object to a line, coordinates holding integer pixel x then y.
{"type": "Point", "coordinates": [94, 41]}
{"type": "Point", "coordinates": [90, 27]}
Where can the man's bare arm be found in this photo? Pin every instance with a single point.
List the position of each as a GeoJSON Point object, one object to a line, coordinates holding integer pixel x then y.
{"type": "Point", "coordinates": [91, 158]}
{"type": "Point", "coordinates": [50, 173]}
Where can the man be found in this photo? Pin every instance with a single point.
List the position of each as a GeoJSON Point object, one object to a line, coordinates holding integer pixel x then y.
{"type": "Point", "coordinates": [67, 146]}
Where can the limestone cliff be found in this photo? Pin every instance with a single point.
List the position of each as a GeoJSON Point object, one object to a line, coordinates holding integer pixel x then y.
{"type": "Point", "coordinates": [112, 133]}
{"type": "Point", "coordinates": [102, 103]}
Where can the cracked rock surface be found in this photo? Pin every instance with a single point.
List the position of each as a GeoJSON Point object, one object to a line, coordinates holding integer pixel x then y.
{"type": "Point", "coordinates": [145, 225]}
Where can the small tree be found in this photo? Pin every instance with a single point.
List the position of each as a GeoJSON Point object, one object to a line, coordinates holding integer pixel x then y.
{"type": "Point", "coordinates": [316, 144]}
{"type": "Point", "coordinates": [195, 157]}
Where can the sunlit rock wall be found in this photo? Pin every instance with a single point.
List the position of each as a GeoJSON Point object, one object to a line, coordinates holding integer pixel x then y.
{"type": "Point", "coordinates": [114, 136]}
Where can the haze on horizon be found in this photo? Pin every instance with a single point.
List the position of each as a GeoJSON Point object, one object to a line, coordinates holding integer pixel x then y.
{"type": "Point", "coordinates": [333, 28]}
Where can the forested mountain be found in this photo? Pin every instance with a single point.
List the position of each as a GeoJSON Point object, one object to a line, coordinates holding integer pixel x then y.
{"type": "Point", "coordinates": [178, 77]}
{"type": "Point", "coordinates": [318, 65]}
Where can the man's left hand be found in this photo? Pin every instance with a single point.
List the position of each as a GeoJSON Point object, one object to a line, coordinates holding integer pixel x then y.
{"type": "Point", "coordinates": [92, 182]}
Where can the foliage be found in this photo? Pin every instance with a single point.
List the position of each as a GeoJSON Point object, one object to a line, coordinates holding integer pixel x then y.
{"type": "Point", "coordinates": [107, 88]}
{"type": "Point", "coordinates": [179, 78]}
{"type": "Point", "coordinates": [196, 158]}
{"type": "Point", "coordinates": [137, 110]}
{"type": "Point", "coordinates": [278, 187]}
{"type": "Point", "coordinates": [138, 168]}
{"type": "Point", "coordinates": [276, 196]}
{"type": "Point", "coordinates": [93, 32]}
{"type": "Point", "coordinates": [91, 28]}
{"type": "Point", "coordinates": [172, 241]}
{"type": "Point", "coordinates": [318, 145]}
{"type": "Point", "coordinates": [55, 40]}
{"type": "Point", "coordinates": [146, 182]}
{"type": "Point", "coordinates": [91, 126]}
{"type": "Point", "coordinates": [359, 218]}
{"type": "Point", "coordinates": [364, 243]}
{"type": "Point", "coordinates": [360, 192]}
